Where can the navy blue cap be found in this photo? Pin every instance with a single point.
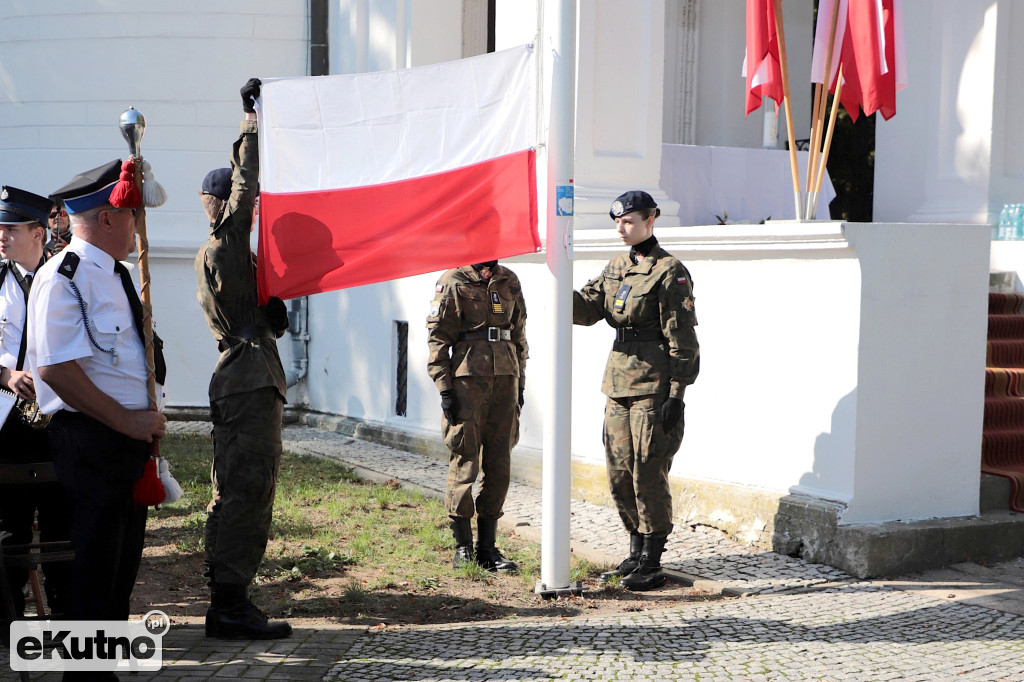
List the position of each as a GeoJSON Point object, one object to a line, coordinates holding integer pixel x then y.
{"type": "Point", "coordinates": [18, 207]}
{"type": "Point", "coordinates": [633, 200]}
{"type": "Point", "coordinates": [218, 183]}
{"type": "Point", "coordinates": [89, 189]}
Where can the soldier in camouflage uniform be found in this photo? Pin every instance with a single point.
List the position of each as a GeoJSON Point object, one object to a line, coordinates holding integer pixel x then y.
{"type": "Point", "coordinates": [647, 297]}
{"type": "Point", "coordinates": [247, 392]}
{"type": "Point", "coordinates": [477, 338]}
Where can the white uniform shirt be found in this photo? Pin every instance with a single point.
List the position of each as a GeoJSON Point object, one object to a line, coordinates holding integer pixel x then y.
{"type": "Point", "coordinates": [57, 331]}
{"type": "Point", "coordinates": [12, 318]}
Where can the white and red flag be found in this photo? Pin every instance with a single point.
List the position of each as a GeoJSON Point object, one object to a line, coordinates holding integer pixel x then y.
{"type": "Point", "coordinates": [761, 65]}
{"type": "Point", "coordinates": [870, 48]}
{"type": "Point", "coordinates": [376, 176]}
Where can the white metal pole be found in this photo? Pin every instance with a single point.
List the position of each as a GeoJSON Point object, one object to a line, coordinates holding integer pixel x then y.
{"type": "Point", "coordinates": [559, 50]}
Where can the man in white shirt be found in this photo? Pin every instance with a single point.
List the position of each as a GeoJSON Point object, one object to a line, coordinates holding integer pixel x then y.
{"type": "Point", "coordinates": [22, 237]}
{"type": "Point", "coordinates": [86, 352]}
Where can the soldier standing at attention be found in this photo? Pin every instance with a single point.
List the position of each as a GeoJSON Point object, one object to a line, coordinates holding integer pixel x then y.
{"type": "Point", "coordinates": [647, 297]}
{"type": "Point", "coordinates": [477, 337]}
{"type": "Point", "coordinates": [22, 237]}
{"type": "Point", "coordinates": [247, 392]}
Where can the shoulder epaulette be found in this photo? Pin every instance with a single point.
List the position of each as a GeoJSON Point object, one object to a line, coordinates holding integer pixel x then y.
{"type": "Point", "coordinates": [69, 264]}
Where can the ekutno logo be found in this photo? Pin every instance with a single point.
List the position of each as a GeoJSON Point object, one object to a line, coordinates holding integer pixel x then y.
{"type": "Point", "coordinates": [89, 645]}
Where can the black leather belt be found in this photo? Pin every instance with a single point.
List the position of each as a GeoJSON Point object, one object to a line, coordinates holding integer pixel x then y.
{"type": "Point", "coordinates": [634, 334]}
{"type": "Point", "coordinates": [489, 334]}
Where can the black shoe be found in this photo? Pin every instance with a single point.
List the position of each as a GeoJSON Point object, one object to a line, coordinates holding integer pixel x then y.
{"type": "Point", "coordinates": [463, 556]}
{"type": "Point", "coordinates": [487, 555]}
{"type": "Point", "coordinates": [233, 616]}
{"type": "Point", "coordinates": [244, 622]}
{"type": "Point", "coordinates": [491, 559]}
{"type": "Point", "coordinates": [462, 529]}
{"type": "Point", "coordinates": [648, 575]}
{"type": "Point", "coordinates": [629, 564]}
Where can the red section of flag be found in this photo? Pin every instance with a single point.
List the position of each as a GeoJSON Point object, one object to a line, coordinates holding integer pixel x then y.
{"type": "Point", "coordinates": [311, 242]}
{"type": "Point", "coordinates": [865, 87]}
{"type": "Point", "coordinates": [764, 73]}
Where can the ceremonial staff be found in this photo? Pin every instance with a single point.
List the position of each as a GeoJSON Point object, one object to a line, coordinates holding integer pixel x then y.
{"type": "Point", "coordinates": [133, 127]}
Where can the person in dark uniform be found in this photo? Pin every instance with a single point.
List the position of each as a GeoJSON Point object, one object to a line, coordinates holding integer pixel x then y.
{"type": "Point", "coordinates": [22, 235]}
{"type": "Point", "coordinates": [477, 337]}
{"type": "Point", "coordinates": [646, 295]}
{"type": "Point", "coordinates": [86, 352]}
{"type": "Point", "coordinates": [247, 392]}
{"type": "Point", "coordinates": [60, 230]}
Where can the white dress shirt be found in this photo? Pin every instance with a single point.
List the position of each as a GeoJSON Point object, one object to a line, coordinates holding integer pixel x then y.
{"type": "Point", "coordinates": [116, 362]}
{"type": "Point", "coordinates": [12, 317]}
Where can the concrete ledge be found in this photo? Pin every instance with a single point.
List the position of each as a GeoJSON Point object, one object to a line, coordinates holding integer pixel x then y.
{"type": "Point", "coordinates": [809, 529]}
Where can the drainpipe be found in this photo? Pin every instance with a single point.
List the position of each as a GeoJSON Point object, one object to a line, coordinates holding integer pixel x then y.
{"type": "Point", "coordinates": [298, 327]}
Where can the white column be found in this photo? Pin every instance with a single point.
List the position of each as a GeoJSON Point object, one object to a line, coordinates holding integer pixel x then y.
{"type": "Point", "coordinates": [952, 152]}
{"type": "Point", "coordinates": [620, 67]}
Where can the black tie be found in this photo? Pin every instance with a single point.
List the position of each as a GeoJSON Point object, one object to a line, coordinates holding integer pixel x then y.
{"type": "Point", "coordinates": [136, 306]}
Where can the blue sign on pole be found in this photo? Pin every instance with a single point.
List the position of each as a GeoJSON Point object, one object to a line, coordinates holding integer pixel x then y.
{"type": "Point", "coordinates": [563, 200]}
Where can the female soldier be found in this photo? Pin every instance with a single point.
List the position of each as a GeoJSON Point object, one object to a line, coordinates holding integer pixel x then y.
{"type": "Point", "coordinates": [647, 297]}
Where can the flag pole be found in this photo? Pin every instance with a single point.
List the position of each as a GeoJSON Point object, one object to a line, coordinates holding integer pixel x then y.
{"type": "Point", "coordinates": [797, 197]}
{"type": "Point", "coordinates": [828, 137]}
{"type": "Point", "coordinates": [820, 105]}
{"type": "Point", "coordinates": [558, 49]}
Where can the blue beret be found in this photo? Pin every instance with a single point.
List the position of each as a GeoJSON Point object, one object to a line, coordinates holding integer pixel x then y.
{"type": "Point", "coordinates": [218, 183]}
{"type": "Point", "coordinates": [633, 200]}
{"type": "Point", "coordinates": [18, 207]}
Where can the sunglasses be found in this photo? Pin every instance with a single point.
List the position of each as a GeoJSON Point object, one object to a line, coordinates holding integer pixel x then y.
{"type": "Point", "coordinates": [122, 210]}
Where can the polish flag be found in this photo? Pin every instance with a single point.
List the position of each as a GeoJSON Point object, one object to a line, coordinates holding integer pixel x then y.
{"type": "Point", "coordinates": [371, 177]}
{"type": "Point", "coordinates": [761, 66]}
{"type": "Point", "coordinates": [869, 44]}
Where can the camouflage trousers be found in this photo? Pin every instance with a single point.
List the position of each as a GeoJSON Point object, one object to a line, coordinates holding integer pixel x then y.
{"type": "Point", "coordinates": [481, 439]}
{"type": "Point", "coordinates": [639, 455]}
{"type": "Point", "coordinates": [246, 459]}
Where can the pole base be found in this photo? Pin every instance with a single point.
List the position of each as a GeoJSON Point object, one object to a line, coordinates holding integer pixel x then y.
{"type": "Point", "coordinates": [573, 589]}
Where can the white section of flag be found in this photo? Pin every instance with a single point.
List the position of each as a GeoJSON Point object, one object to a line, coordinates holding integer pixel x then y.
{"type": "Point", "coordinates": [336, 132]}
{"type": "Point", "coordinates": [821, 33]}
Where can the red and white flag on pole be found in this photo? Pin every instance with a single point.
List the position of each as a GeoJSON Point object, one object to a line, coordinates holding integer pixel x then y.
{"type": "Point", "coordinates": [761, 65]}
{"type": "Point", "coordinates": [376, 176]}
{"type": "Point", "coordinates": [869, 45]}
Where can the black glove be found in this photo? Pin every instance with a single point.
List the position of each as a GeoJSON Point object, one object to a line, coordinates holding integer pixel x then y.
{"type": "Point", "coordinates": [671, 413]}
{"type": "Point", "coordinates": [250, 91]}
{"type": "Point", "coordinates": [449, 404]}
{"type": "Point", "coordinates": [522, 393]}
{"type": "Point", "coordinates": [276, 314]}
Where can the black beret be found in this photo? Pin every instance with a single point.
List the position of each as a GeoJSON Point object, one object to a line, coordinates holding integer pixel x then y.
{"type": "Point", "coordinates": [218, 183]}
{"type": "Point", "coordinates": [89, 189]}
{"type": "Point", "coordinates": [633, 200]}
{"type": "Point", "coordinates": [18, 207]}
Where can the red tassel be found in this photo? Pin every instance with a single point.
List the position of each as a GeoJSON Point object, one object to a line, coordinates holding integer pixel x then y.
{"type": "Point", "coordinates": [149, 490]}
{"type": "Point", "coordinates": [126, 193]}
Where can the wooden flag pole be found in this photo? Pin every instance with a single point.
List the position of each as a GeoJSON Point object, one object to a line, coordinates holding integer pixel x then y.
{"type": "Point", "coordinates": [797, 198]}
{"type": "Point", "coordinates": [820, 105]}
{"type": "Point", "coordinates": [828, 137]}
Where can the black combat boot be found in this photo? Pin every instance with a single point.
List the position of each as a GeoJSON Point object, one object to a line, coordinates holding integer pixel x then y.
{"type": "Point", "coordinates": [629, 564]}
{"type": "Point", "coordinates": [648, 574]}
{"type": "Point", "coordinates": [462, 529]}
{"type": "Point", "coordinates": [487, 555]}
{"type": "Point", "coordinates": [233, 616]}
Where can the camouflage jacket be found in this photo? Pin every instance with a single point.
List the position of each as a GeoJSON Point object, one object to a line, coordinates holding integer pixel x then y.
{"type": "Point", "coordinates": [464, 302]}
{"type": "Point", "coordinates": [226, 278]}
{"type": "Point", "coordinates": [654, 295]}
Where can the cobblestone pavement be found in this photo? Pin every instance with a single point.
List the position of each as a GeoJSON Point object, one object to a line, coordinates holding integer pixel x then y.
{"type": "Point", "coordinates": [799, 621]}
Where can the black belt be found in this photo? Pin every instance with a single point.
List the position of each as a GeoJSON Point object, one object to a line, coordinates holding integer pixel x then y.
{"type": "Point", "coordinates": [489, 334]}
{"type": "Point", "coordinates": [634, 334]}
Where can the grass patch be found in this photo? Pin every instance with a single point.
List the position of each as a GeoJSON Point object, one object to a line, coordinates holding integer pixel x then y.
{"type": "Point", "coordinates": [338, 542]}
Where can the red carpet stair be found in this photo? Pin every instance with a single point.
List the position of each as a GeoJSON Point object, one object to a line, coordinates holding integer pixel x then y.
{"type": "Point", "coordinates": [1003, 434]}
